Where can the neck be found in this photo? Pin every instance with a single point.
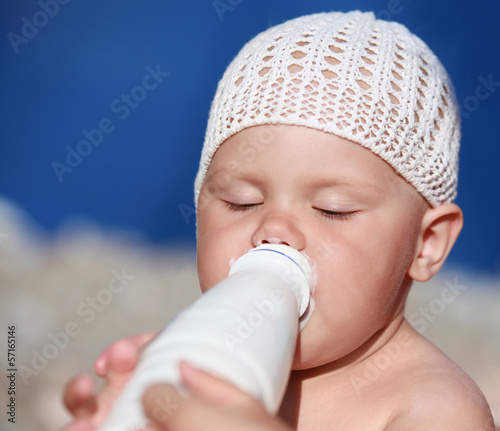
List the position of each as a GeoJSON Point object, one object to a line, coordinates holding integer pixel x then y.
{"type": "Point", "coordinates": [312, 383]}
{"type": "Point", "coordinates": [345, 364]}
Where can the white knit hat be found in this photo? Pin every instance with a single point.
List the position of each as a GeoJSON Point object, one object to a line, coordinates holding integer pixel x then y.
{"type": "Point", "coordinates": [349, 74]}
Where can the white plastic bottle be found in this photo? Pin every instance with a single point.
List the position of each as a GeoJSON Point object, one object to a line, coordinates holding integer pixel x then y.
{"type": "Point", "coordinates": [244, 330]}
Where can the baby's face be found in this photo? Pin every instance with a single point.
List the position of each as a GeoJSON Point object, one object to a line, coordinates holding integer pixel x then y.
{"type": "Point", "coordinates": [335, 201]}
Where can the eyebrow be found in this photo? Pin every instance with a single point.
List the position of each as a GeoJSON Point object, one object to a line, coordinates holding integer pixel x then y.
{"type": "Point", "coordinates": [233, 173]}
{"type": "Point", "coordinates": [349, 182]}
{"type": "Point", "coordinates": [321, 182]}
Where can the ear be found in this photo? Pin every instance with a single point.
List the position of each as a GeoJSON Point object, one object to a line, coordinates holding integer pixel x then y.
{"type": "Point", "coordinates": [439, 231]}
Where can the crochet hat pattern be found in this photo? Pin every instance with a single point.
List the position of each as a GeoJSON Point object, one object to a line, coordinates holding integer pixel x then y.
{"type": "Point", "coordinates": [363, 79]}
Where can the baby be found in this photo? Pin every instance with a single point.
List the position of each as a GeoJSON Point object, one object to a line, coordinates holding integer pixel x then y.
{"type": "Point", "coordinates": [338, 135]}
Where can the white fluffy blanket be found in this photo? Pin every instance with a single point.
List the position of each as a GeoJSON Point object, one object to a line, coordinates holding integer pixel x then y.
{"type": "Point", "coordinates": [72, 294]}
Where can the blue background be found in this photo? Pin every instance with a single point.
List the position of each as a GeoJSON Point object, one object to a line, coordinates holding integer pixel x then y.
{"type": "Point", "coordinates": [64, 79]}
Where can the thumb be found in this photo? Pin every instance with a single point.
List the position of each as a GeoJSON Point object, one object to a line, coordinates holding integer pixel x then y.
{"type": "Point", "coordinates": [214, 389]}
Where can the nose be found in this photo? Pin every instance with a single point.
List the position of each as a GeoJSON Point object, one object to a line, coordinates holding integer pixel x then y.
{"type": "Point", "coordinates": [279, 229]}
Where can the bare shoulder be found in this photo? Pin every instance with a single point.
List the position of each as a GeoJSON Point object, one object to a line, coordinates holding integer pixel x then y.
{"type": "Point", "coordinates": [437, 393]}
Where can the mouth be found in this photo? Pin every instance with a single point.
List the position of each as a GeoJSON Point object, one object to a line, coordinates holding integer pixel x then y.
{"type": "Point", "coordinates": [306, 316]}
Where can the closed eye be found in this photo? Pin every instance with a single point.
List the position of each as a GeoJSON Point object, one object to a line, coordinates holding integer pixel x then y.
{"type": "Point", "coordinates": [240, 207]}
{"type": "Point", "coordinates": [337, 215]}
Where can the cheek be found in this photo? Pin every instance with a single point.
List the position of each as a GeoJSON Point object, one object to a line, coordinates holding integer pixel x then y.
{"type": "Point", "coordinates": [212, 261]}
{"type": "Point", "coordinates": [363, 270]}
{"type": "Point", "coordinates": [389, 243]}
{"type": "Point", "coordinates": [382, 262]}
{"type": "Point", "coordinates": [217, 248]}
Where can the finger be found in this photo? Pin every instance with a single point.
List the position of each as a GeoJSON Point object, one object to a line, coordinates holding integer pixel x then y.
{"type": "Point", "coordinates": [122, 355]}
{"type": "Point", "coordinates": [100, 363]}
{"type": "Point", "coordinates": [161, 403]}
{"type": "Point", "coordinates": [121, 362]}
{"type": "Point", "coordinates": [79, 425]}
{"type": "Point", "coordinates": [79, 396]}
{"type": "Point", "coordinates": [120, 359]}
{"type": "Point", "coordinates": [171, 412]}
{"type": "Point", "coordinates": [145, 339]}
{"type": "Point", "coordinates": [215, 390]}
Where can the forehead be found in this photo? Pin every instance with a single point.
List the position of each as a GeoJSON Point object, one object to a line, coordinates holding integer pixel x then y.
{"type": "Point", "coordinates": [302, 157]}
{"type": "Point", "coordinates": [297, 151]}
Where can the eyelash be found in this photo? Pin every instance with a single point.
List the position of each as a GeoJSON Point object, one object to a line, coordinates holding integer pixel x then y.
{"type": "Point", "coordinates": [331, 215]}
{"type": "Point", "coordinates": [239, 207]}
{"type": "Point", "coordinates": [336, 215]}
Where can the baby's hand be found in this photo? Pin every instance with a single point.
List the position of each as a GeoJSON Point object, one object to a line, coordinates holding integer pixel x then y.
{"type": "Point", "coordinates": [212, 405]}
{"type": "Point", "coordinates": [116, 364]}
